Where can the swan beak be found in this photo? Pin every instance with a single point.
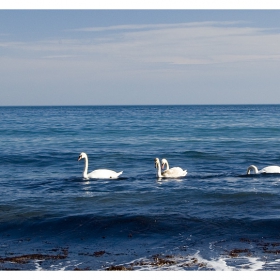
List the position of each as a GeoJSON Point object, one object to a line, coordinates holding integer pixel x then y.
{"type": "Point", "coordinates": [79, 158]}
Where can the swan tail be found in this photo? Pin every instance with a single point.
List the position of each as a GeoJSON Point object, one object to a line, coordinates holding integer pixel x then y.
{"type": "Point", "coordinates": [118, 174]}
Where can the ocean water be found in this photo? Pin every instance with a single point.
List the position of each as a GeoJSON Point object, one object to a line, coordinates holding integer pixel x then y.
{"type": "Point", "coordinates": [215, 218]}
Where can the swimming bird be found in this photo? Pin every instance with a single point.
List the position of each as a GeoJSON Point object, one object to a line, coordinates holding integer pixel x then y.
{"type": "Point", "coordinates": [178, 169]}
{"type": "Point", "coordinates": [174, 172]}
{"type": "Point", "coordinates": [252, 169]}
{"type": "Point", "coordinates": [98, 173]}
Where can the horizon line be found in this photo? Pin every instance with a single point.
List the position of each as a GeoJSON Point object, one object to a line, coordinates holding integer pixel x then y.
{"type": "Point", "coordinates": [142, 105]}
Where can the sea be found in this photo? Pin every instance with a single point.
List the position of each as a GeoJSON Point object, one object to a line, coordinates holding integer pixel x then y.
{"type": "Point", "coordinates": [216, 218]}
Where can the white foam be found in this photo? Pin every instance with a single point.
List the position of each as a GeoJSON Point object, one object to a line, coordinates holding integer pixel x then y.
{"type": "Point", "coordinates": [246, 264]}
{"type": "Point", "coordinates": [197, 262]}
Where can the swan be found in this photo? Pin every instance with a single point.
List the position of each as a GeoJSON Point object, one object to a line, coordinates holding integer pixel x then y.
{"type": "Point", "coordinates": [169, 173]}
{"type": "Point", "coordinates": [178, 170]}
{"type": "Point", "coordinates": [98, 173]}
{"type": "Point", "coordinates": [268, 169]}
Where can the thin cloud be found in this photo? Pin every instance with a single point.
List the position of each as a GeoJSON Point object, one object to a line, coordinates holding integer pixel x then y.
{"type": "Point", "coordinates": [152, 26]}
{"type": "Point", "coordinates": [159, 44]}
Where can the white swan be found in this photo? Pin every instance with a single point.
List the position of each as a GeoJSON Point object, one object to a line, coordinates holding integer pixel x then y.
{"type": "Point", "coordinates": [178, 170]}
{"type": "Point", "coordinates": [98, 173]}
{"type": "Point", "coordinates": [269, 169]}
{"type": "Point", "coordinates": [169, 173]}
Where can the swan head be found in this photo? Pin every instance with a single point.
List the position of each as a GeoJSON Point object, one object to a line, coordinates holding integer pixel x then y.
{"type": "Point", "coordinates": [163, 162]}
{"type": "Point", "coordinates": [82, 155]}
{"type": "Point", "coordinates": [157, 162]}
{"type": "Point", "coordinates": [253, 169]}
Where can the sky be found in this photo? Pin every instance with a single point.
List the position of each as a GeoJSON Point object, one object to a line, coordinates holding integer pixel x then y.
{"type": "Point", "coordinates": [139, 56]}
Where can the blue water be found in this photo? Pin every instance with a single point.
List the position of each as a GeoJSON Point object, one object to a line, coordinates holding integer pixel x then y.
{"type": "Point", "coordinates": [215, 218]}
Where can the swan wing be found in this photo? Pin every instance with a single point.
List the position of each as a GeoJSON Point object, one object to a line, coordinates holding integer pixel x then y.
{"type": "Point", "coordinates": [104, 174]}
{"type": "Point", "coordinates": [174, 172]}
{"type": "Point", "coordinates": [271, 169]}
{"type": "Point", "coordinates": [177, 169]}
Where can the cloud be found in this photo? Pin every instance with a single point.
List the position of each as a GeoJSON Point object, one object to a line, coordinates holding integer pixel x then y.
{"type": "Point", "coordinates": [150, 26]}
{"type": "Point", "coordinates": [169, 44]}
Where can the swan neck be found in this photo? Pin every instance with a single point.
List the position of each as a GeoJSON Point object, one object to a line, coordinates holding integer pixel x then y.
{"type": "Point", "coordinates": [252, 168]}
{"type": "Point", "coordinates": [167, 165]}
{"type": "Point", "coordinates": [159, 171]}
{"type": "Point", "coordinates": [86, 167]}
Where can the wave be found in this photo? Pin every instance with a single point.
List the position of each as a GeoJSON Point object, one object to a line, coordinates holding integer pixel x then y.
{"type": "Point", "coordinates": [123, 225]}
{"type": "Point", "coordinates": [141, 243]}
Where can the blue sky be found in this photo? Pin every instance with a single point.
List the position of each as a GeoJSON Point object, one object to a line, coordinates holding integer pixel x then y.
{"type": "Point", "coordinates": [130, 57]}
